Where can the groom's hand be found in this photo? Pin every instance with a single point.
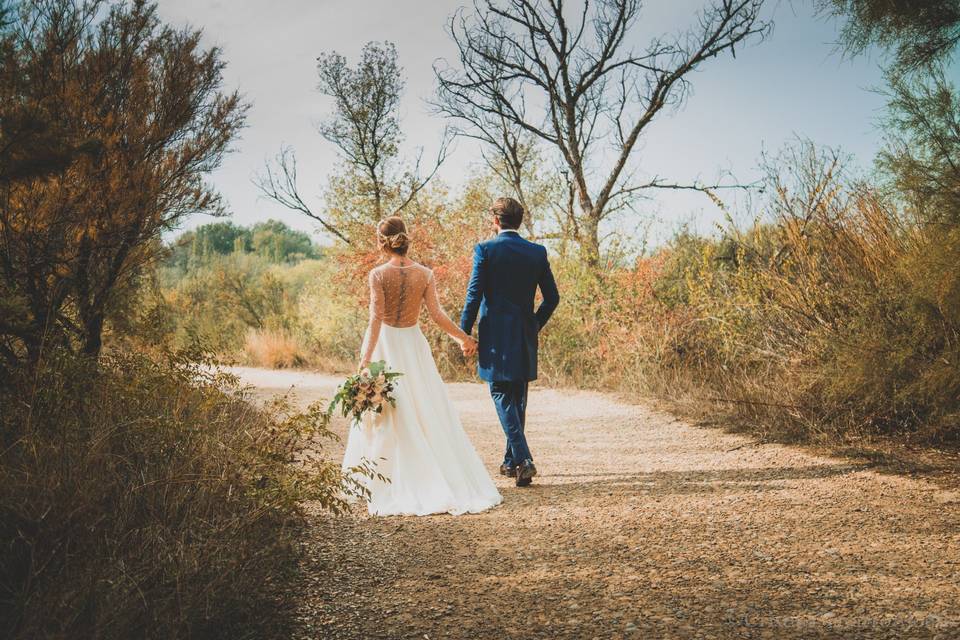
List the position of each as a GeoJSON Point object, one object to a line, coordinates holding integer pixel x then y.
{"type": "Point", "coordinates": [469, 348]}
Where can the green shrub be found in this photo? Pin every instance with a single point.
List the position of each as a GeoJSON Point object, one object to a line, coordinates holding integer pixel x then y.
{"type": "Point", "coordinates": [331, 317]}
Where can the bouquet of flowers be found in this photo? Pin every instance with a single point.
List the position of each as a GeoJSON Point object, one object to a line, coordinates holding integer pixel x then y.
{"type": "Point", "coordinates": [368, 391]}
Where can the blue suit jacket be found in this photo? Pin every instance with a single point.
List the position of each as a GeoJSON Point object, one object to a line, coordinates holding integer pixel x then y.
{"type": "Point", "coordinates": [506, 273]}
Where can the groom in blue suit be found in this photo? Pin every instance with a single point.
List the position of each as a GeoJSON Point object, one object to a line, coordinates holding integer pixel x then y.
{"type": "Point", "coordinates": [507, 271]}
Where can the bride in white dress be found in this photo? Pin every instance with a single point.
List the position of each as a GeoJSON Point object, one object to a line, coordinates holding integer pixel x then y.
{"type": "Point", "coordinates": [419, 445]}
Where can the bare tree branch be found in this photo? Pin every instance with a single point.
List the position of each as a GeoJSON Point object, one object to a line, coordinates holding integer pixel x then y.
{"type": "Point", "coordinates": [278, 183]}
{"type": "Point", "coordinates": [595, 94]}
{"type": "Point", "coordinates": [417, 183]}
{"type": "Point", "coordinates": [364, 126]}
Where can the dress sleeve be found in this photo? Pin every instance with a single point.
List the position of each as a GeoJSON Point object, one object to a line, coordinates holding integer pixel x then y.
{"type": "Point", "coordinates": [432, 300]}
{"type": "Point", "coordinates": [376, 318]}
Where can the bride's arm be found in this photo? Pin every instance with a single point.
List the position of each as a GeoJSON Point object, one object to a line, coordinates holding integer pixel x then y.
{"type": "Point", "coordinates": [376, 320]}
{"type": "Point", "coordinates": [438, 315]}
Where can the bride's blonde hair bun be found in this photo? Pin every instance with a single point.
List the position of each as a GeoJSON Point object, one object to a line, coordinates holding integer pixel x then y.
{"type": "Point", "coordinates": [392, 236]}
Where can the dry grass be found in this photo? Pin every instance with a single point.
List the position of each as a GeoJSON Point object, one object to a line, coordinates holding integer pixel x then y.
{"type": "Point", "coordinates": [837, 320]}
{"type": "Point", "coordinates": [273, 349]}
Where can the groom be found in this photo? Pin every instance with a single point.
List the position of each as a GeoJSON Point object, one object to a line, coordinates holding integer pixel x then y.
{"type": "Point", "coordinates": [506, 273]}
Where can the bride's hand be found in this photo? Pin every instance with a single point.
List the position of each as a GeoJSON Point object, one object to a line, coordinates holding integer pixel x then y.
{"type": "Point", "coordinates": [363, 365]}
{"type": "Point", "coordinates": [468, 346]}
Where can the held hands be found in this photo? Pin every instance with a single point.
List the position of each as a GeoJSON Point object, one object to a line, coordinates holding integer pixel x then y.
{"type": "Point", "coordinates": [469, 347]}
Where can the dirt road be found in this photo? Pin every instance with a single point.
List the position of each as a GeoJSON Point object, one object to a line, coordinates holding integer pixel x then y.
{"type": "Point", "coordinates": [640, 526]}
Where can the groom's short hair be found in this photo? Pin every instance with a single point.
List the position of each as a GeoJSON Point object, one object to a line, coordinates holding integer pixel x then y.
{"type": "Point", "coordinates": [509, 213]}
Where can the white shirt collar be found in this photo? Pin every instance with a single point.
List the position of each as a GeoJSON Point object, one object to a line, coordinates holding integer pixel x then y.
{"type": "Point", "coordinates": [502, 231]}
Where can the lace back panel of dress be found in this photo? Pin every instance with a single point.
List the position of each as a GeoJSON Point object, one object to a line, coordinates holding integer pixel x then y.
{"type": "Point", "coordinates": [403, 289]}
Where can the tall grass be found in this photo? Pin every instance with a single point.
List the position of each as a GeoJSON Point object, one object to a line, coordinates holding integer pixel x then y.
{"type": "Point", "coordinates": [149, 498]}
{"type": "Point", "coordinates": [273, 349]}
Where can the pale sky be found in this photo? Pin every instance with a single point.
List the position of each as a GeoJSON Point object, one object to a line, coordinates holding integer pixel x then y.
{"type": "Point", "coordinates": [792, 84]}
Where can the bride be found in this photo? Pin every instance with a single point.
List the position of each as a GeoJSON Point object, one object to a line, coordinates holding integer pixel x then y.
{"type": "Point", "coordinates": [419, 445]}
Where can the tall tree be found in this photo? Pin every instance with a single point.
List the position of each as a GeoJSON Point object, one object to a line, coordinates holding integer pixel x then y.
{"type": "Point", "coordinates": [572, 80]}
{"type": "Point", "coordinates": [923, 152]}
{"type": "Point", "coordinates": [364, 126]}
{"type": "Point", "coordinates": [145, 100]}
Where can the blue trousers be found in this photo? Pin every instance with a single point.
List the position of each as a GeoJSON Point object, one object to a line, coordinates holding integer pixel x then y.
{"type": "Point", "coordinates": [510, 398]}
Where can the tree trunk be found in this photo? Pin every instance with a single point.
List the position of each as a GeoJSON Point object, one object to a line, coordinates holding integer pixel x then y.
{"type": "Point", "coordinates": [590, 239]}
{"type": "Point", "coordinates": [93, 336]}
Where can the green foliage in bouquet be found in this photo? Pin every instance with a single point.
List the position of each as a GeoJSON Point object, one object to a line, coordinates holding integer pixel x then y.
{"type": "Point", "coordinates": [366, 391]}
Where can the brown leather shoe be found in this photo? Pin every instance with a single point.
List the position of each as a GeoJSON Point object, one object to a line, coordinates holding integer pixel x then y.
{"type": "Point", "coordinates": [525, 473]}
{"type": "Point", "coordinates": [507, 470]}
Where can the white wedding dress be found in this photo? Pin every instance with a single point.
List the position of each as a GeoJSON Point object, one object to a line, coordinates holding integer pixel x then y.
{"type": "Point", "coordinates": [419, 445]}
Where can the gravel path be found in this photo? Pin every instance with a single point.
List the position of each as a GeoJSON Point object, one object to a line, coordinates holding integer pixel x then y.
{"type": "Point", "coordinates": [639, 526]}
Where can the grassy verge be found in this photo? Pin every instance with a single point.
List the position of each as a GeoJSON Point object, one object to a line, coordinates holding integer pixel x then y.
{"type": "Point", "coordinates": [146, 498]}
